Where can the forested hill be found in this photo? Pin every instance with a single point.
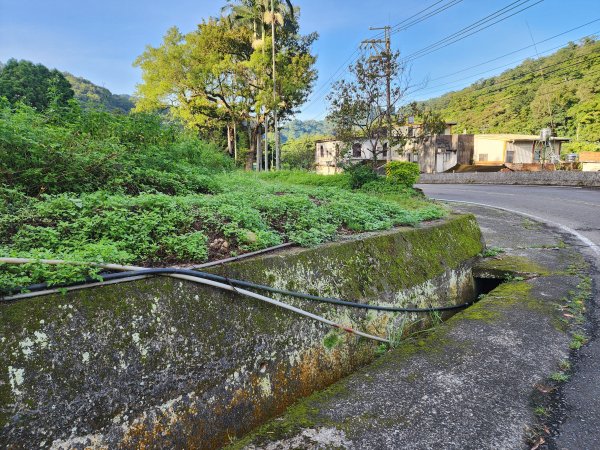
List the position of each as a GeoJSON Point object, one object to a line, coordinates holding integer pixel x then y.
{"type": "Point", "coordinates": [297, 128]}
{"type": "Point", "coordinates": [87, 93]}
{"type": "Point", "coordinates": [90, 94]}
{"type": "Point", "coordinates": [562, 89]}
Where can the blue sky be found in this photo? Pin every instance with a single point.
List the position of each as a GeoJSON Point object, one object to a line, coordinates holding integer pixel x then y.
{"type": "Point", "coordinates": [99, 40]}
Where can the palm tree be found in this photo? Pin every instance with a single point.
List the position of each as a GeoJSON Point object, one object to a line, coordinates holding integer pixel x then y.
{"type": "Point", "coordinates": [256, 14]}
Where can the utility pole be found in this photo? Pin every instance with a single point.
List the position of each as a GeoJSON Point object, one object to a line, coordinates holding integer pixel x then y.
{"type": "Point", "coordinates": [275, 126]}
{"type": "Point", "coordinates": [386, 53]}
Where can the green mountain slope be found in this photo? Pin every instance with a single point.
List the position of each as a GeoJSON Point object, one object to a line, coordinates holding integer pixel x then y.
{"type": "Point", "coordinates": [90, 94]}
{"type": "Point", "coordinates": [297, 128]}
{"type": "Point", "coordinates": [561, 90]}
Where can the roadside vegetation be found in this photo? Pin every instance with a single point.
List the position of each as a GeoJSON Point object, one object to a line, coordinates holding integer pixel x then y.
{"type": "Point", "coordinates": [84, 185]}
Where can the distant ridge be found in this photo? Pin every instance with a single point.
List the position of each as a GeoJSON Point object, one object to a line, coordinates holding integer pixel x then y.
{"type": "Point", "coordinates": [560, 90]}
{"type": "Point", "coordinates": [92, 95]}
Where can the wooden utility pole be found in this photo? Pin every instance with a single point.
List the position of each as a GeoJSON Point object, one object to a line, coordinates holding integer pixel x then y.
{"type": "Point", "coordinates": [386, 53]}
{"type": "Point", "coordinates": [275, 126]}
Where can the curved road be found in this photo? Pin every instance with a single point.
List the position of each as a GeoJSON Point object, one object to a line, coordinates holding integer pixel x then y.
{"type": "Point", "coordinates": [579, 210]}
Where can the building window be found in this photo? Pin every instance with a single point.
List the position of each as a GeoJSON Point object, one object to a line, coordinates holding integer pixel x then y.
{"type": "Point", "coordinates": [415, 157]}
{"type": "Point", "coordinates": [510, 156]}
{"type": "Point", "coordinates": [410, 132]}
{"type": "Point", "coordinates": [356, 150]}
{"type": "Point", "coordinates": [483, 157]}
{"type": "Point", "coordinates": [322, 151]}
{"type": "Point", "coordinates": [385, 150]}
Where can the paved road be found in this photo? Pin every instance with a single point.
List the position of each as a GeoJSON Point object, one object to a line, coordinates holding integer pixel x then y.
{"type": "Point", "coordinates": [579, 210]}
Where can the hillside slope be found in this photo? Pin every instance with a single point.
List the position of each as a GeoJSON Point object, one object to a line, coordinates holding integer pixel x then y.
{"type": "Point", "coordinates": [561, 90]}
{"type": "Point", "coordinates": [90, 94]}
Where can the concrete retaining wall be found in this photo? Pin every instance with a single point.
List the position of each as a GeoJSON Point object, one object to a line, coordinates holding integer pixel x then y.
{"type": "Point", "coordinates": [162, 363]}
{"type": "Point", "coordinates": [554, 178]}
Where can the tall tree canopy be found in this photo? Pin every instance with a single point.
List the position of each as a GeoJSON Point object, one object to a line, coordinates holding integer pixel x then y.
{"type": "Point", "coordinates": [218, 78]}
{"type": "Point", "coordinates": [34, 84]}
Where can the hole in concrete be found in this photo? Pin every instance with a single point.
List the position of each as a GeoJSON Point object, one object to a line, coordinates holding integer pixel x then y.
{"type": "Point", "coordinates": [486, 285]}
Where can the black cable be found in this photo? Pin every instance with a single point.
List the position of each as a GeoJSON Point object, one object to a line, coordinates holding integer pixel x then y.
{"type": "Point", "coordinates": [243, 284]}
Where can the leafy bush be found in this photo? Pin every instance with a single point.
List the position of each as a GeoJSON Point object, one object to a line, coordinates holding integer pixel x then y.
{"type": "Point", "coordinates": [85, 151]}
{"type": "Point", "coordinates": [402, 172]}
{"type": "Point", "coordinates": [360, 174]}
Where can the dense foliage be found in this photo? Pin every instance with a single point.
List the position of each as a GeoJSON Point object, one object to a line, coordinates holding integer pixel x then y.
{"type": "Point", "coordinates": [402, 172]}
{"type": "Point", "coordinates": [561, 90]}
{"type": "Point", "coordinates": [296, 128]}
{"type": "Point", "coordinates": [34, 85]}
{"type": "Point", "coordinates": [299, 153]}
{"type": "Point", "coordinates": [249, 213]}
{"type": "Point", "coordinates": [219, 77]}
{"type": "Point", "coordinates": [74, 150]}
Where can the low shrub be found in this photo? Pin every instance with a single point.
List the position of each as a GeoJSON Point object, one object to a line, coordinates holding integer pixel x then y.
{"type": "Point", "coordinates": [402, 172]}
{"type": "Point", "coordinates": [360, 174]}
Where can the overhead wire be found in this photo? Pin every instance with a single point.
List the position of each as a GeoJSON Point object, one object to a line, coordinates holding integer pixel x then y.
{"type": "Point", "coordinates": [516, 77]}
{"type": "Point", "coordinates": [433, 89]}
{"type": "Point", "coordinates": [315, 97]}
{"type": "Point", "coordinates": [474, 28]}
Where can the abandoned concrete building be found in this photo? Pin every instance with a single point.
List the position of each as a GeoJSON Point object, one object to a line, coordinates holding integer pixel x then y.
{"type": "Point", "coordinates": [447, 152]}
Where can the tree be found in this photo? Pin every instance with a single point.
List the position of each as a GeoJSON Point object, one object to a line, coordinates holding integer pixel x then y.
{"type": "Point", "coordinates": [217, 78]}
{"type": "Point", "coordinates": [299, 153]}
{"type": "Point", "coordinates": [358, 107]}
{"type": "Point", "coordinates": [34, 85]}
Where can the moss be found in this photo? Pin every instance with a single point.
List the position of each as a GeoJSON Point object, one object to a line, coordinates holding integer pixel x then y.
{"type": "Point", "coordinates": [479, 312]}
{"type": "Point", "coordinates": [304, 414]}
{"type": "Point", "coordinates": [331, 340]}
{"type": "Point", "coordinates": [510, 264]}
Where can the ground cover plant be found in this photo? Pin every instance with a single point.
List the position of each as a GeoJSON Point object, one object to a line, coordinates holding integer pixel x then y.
{"type": "Point", "coordinates": [131, 189]}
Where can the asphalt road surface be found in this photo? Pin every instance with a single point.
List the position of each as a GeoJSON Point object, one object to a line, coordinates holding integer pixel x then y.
{"type": "Point", "coordinates": [579, 210]}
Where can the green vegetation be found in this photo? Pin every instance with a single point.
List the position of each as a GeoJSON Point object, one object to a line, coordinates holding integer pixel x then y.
{"type": "Point", "coordinates": [577, 342]}
{"type": "Point", "coordinates": [295, 129]}
{"type": "Point", "coordinates": [84, 185]}
{"type": "Point", "coordinates": [72, 150]}
{"type": "Point", "coordinates": [34, 85]}
{"type": "Point", "coordinates": [402, 173]}
{"type": "Point", "coordinates": [218, 79]}
{"type": "Point", "coordinates": [491, 252]}
{"type": "Point", "coordinates": [560, 90]}
{"type": "Point", "coordinates": [299, 153]}
{"type": "Point", "coordinates": [90, 95]}
{"type": "Point", "coordinates": [559, 377]}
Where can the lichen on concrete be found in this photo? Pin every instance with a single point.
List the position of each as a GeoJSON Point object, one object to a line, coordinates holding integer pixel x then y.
{"type": "Point", "coordinates": [167, 363]}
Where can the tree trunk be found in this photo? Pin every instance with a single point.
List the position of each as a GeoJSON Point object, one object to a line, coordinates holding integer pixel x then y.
{"type": "Point", "coordinates": [234, 142]}
{"type": "Point", "coordinates": [230, 140]}
{"type": "Point", "coordinates": [252, 150]}
{"type": "Point", "coordinates": [259, 150]}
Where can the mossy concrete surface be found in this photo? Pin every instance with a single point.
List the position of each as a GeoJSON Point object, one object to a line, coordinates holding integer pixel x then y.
{"type": "Point", "coordinates": [473, 382]}
{"type": "Point", "coordinates": [161, 363]}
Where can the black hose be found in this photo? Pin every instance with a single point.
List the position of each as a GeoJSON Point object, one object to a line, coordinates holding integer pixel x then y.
{"type": "Point", "coordinates": [245, 284]}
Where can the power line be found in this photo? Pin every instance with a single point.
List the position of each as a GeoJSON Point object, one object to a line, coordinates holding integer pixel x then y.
{"type": "Point", "coordinates": [516, 51]}
{"type": "Point", "coordinates": [351, 59]}
{"type": "Point", "coordinates": [474, 28]}
{"type": "Point", "coordinates": [433, 89]}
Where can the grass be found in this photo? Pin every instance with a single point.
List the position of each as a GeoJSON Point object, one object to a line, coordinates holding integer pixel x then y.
{"type": "Point", "coordinates": [577, 342]}
{"type": "Point", "coordinates": [559, 377]}
{"type": "Point", "coordinates": [244, 212]}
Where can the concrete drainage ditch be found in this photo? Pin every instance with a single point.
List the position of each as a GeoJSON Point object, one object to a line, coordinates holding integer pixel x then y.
{"type": "Point", "coordinates": [167, 364]}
